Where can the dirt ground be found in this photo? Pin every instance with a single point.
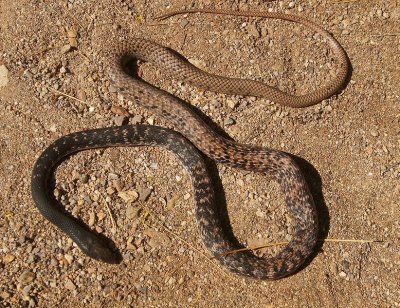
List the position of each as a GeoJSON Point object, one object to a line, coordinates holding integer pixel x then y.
{"type": "Point", "coordinates": [349, 147]}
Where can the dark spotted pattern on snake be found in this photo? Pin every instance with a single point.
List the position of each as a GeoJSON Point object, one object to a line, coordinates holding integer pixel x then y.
{"type": "Point", "coordinates": [220, 149]}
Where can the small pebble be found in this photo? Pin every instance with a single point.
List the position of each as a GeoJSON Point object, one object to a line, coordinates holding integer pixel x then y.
{"type": "Point", "coordinates": [374, 132]}
{"type": "Point", "coordinates": [26, 277]}
{"type": "Point", "coordinates": [119, 110]}
{"type": "Point", "coordinates": [28, 74]}
{"type": "Point", "coordinates": [84, 178]}
{"type": "Point", "coordinates": [53, 262]}
{"type": "Point", "coordinates": [184, 23]}
{"type": "Point", "coordinates": [53, 128]}
{"type": "Point", "coordinates": [231, 103]}
{"type": "Point", "coordinates": [101, 216]}
{"type": "Point", "coordinates": [154, 166]}
{"type": "Point", "coordinates": [53, 283]}
{"type": "Point", "coordinates": [137, 119]}
{"type": "Point", "coordinates": [92, 218]}
{"type": "Point", "coordinates": [27, 289]}
{"type": "Point", "coordinates": [128, 195]}
{"type": "Point", "coordinates": [229, 121]}
{"type": "Point", "coordinates": [8, 258]}
{"type": "Point", "coordinates": [69, 258]}
{"type": "Point", "coordinates": [113, 176]}
{"type": "Point", "coordinates": [107, 290]}
{"type": "Point", "coordinates": [119, 120]}
{"type": "Point", "coordinates": [72, 35]}
{"type": "Point", "coordinates": [110, 190]}
{"type": "Point", "coordinates": [31, 259]}
{"type": "Point", "coordinates": [215, 105]}
{"type": "Point", "coordinates": [69, 285]}
{"type": "Point", "coordinates": [172, 201]}
{"type": "Point", "coordinates": [43, 91]}
{"type": "Point", "coordinates": [66, 48]}
{"type": "Point", "coordinates": [171, 280]}
{"type": "Point", "coordinates": [112, 89]}
{"type": "Point", "coordinates": [144, 193]}
{"type": "Point", "coordinates": [132, 212]}
{"type": "Point", "coordinates": [253, 31]}
{"type": "Point", "coordinates": [150, 121]}
{"type": "Point", "coordinates": [117, 27]}
{"type": "Point", "coordinates": [260, 213]}
{"type": "Point", "coordinates": [130, 245]}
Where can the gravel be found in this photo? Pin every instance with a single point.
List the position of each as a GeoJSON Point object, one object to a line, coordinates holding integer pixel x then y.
{"type": "Point", "coordinates": [133, 195]}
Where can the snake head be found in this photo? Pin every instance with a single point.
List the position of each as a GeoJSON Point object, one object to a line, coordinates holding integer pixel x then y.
{"type": "Point", "coordinates": [95, 246]}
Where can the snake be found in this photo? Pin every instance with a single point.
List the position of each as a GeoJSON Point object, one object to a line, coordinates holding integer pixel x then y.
{"type": "Point", "coordinates": [192, 139]}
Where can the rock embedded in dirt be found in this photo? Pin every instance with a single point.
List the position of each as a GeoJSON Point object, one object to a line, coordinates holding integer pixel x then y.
{"type": "Point", "coordinates": [3, 75]}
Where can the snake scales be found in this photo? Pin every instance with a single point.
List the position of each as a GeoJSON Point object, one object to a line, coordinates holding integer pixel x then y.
{"type": "Point", "coordinates": [218, 148]}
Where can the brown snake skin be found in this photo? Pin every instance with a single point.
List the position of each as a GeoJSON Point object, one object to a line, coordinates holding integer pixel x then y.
{"type": "Point", "coordinates": [252, 158]}
{"type": "Point", "coordinates": [184, 71]}
{"type": "Point", "coordinates": [187, 122]}
{"type": "Point", "coordinates": [203, 138]}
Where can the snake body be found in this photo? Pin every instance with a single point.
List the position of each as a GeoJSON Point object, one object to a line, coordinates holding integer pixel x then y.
{"type": "Point", "coordinates": [220, 149]}
{"type": "Point", "coordinates": [139, 135]}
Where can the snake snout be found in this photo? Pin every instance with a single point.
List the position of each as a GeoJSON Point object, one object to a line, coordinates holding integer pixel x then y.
{"type": "Point", "coordinates": [97, 248]}
{"type": "Point", "coordinates": [104, 253]}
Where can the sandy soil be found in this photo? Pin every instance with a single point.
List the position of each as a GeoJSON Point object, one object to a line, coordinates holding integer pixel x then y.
{"type": "Point", "coordinates": [349, 145]}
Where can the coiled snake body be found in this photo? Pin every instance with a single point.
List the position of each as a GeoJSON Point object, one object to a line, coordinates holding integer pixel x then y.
{"type": "Point", "coordinates": [190, 125]}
